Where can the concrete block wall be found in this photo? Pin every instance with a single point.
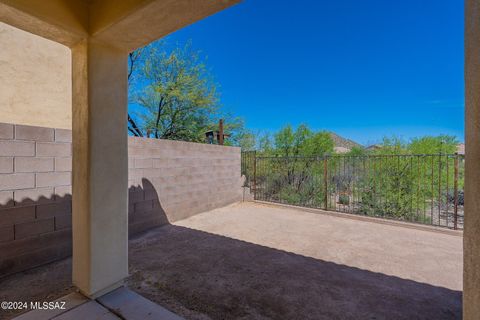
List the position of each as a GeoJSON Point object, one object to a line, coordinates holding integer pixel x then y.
{"type": "Point", "coordinates": [168, 181]}
{"type": "Point", "coordinates": [35, 196]}
{"type": "Point", "coordinates": [172, 180]}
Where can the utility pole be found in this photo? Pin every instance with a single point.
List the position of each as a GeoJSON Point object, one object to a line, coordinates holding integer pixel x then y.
{"type": "Point", "coordinates": [220, 132]}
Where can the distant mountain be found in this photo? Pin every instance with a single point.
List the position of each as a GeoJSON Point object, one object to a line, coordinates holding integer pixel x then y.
{"type": "Point", "coordinates": [343, 143]}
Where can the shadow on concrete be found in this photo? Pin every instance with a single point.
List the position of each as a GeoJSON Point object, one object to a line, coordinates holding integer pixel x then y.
{"type": "Point", "coordinates": [195, 273]}
{"type": "Point", "coordinates": [200, 275]}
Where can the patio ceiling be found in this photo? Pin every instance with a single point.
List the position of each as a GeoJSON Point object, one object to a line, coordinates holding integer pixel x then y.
{"type": "Point", "coordinates": [128, 24]}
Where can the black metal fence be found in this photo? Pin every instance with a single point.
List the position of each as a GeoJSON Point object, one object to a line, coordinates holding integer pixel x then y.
{"type": "Point", "coordinates": [424, 189]}
{"type": "Point", "coordinates": [248, 166]}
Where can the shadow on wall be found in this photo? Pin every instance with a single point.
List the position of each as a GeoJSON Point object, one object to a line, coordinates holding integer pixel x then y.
{"type": "Point", "coordinates": [34, 231]}
{"type": "Point", "coordinates": [38, 231]}
{"type": "Point", "coordinates": [144, 208]}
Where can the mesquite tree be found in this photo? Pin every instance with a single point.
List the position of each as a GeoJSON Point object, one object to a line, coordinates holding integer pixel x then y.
{"type": "Point", "coordinates": [176, 96]}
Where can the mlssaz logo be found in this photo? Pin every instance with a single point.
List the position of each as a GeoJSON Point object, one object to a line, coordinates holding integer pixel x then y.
{"type": "Point", "coordinates": [59, 305]}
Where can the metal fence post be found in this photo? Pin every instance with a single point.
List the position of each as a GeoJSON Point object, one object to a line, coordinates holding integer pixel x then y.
{"type": "Point", "coordinates": [325, 181]}
{"type": "Point", "coordinates": [455, 192]}
{"type": "Point", "coordinates": [255, 175]}
{"type": "Point", "coordinates": [242, 163]}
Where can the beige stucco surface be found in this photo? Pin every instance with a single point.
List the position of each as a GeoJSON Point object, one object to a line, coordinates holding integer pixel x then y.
{"type": "Point", "coordinates": [471, 277]}
{"type": "Point", "coordinates": [100, 168]}
{"type": "Point", "coordinates": [35, 82]}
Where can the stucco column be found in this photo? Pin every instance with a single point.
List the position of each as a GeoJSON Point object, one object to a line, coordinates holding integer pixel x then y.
{"type": "Point", "coordinates": [100, 167]}
{"type": "Point", "coordinates": [471, 235]}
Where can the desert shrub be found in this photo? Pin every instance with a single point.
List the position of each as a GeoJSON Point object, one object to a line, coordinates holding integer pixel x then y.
{"type": "Point", "coordinates": [344, 199]}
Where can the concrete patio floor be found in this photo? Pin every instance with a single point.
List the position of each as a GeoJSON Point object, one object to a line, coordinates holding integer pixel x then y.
{"type": "Point", "coordinates": [51, 283]}
{"type": "Point", "coordinates": [257, 261]}
{"type": "Point", "coordinates": [425, 256]}
{"type": "Point", "coordinates": [120, 304]}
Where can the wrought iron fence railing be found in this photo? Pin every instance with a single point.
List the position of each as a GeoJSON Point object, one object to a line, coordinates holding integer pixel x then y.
{"type": "Point", "coordinates": [424, 189]}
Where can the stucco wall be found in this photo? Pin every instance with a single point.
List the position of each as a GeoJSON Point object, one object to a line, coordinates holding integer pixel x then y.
{"type": "Point", "coordinates": [471, 235]}
{"type": "Point", "coordinates": [35, 80]}
{"type": "Point", "coordinates": [168, 181]}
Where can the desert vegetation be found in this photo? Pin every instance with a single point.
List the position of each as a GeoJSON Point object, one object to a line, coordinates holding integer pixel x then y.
{"type": "Point", "coordinates": [419, 180]}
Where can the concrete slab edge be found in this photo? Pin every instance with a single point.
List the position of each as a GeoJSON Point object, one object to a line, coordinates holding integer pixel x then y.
{"type": "Point", "coordinates": [409, 225]}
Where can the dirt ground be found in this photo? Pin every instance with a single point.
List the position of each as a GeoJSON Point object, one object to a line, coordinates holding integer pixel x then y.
{"type": "Point", "coordinates": [254, 261]}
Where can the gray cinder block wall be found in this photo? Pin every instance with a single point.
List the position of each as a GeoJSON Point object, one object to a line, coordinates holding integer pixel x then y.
{"type": "Point", "coordinates": [169, 181]}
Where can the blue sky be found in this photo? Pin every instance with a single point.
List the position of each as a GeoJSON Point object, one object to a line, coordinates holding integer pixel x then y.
{"type": "Point", "coordinates": [364, 69]}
